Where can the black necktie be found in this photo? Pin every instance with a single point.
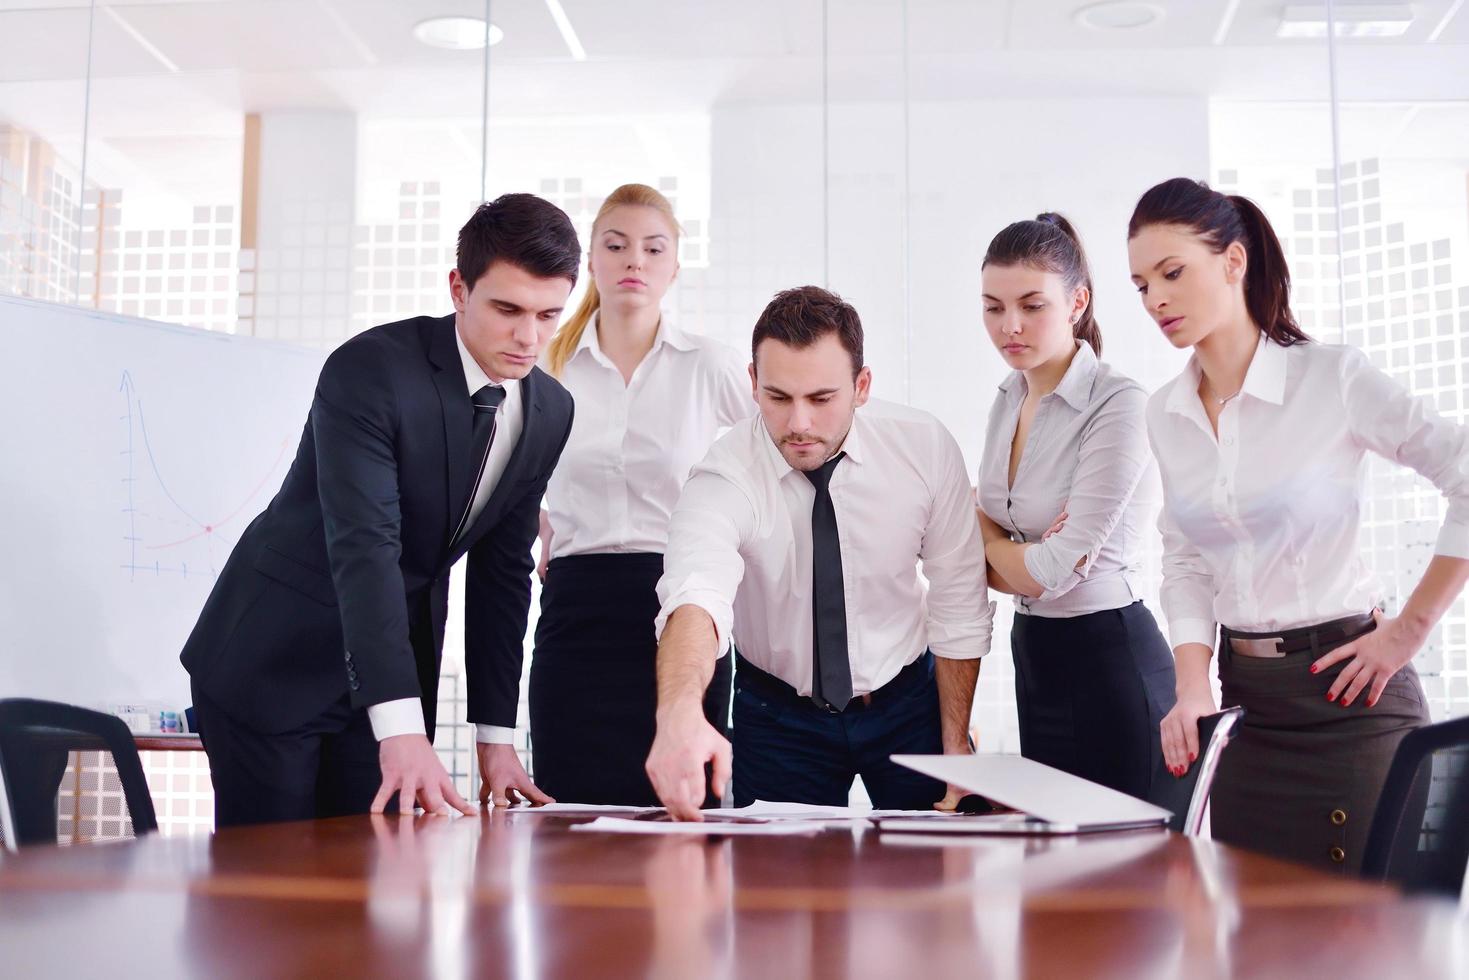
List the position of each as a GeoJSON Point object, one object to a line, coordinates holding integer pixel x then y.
{"type": "Point", "coordinates": [831, 676]}
{"type": "Point", "coordinates": [486, 403]}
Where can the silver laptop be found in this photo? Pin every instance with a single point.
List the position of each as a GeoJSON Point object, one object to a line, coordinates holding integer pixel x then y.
{"type": "Point", "coordinates": [1048, 800]}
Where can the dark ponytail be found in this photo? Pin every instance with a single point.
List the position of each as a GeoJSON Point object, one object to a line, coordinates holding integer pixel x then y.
{"type": "Point", "coordinates": [1052, 244]}
{"type": "Point", "coordinates": [1220, 220]}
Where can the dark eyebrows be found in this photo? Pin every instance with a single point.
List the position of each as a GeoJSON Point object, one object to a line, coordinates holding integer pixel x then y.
{"type": "Point", "coordinates": [1033, 292]}
{"type": "Point", "coordinates": [772, 389]}
{"type": "Point", "coordinates": [1136, 277]}
{"type": "Point", "coordinates": [513, 308]}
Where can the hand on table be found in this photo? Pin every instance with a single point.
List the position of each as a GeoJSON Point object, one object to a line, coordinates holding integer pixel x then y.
{"type": "Point", "coordinates": [411, 768]}
{"type": "Point", "coordinates": [502, 779]}
{"type": "Point", "coordinates": [684, 743]}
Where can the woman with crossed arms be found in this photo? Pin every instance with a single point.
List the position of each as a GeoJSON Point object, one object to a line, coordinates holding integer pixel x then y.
{"type": "Point", "coordinates": [1062, 517]}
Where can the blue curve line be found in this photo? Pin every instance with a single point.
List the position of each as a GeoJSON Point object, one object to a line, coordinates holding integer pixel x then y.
{"type": "Point", "coordinates": [153, 464]}
{"type": "Point", "coordinates": [127, 387]}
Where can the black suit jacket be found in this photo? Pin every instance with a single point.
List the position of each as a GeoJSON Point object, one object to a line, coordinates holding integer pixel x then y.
{"type": "Point", "coordinates": [341, 585]}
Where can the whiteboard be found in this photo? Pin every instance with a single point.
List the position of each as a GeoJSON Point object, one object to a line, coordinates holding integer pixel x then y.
{"type": "Point", "coordinates": [132, 456]}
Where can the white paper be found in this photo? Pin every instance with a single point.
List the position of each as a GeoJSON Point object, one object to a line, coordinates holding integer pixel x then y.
{"type": "Point", "coordinates": [619, 825]}
{"type": "Point", "coordinates": [575, 809]}
{"type": "Point", "coordinates": [826, 814]}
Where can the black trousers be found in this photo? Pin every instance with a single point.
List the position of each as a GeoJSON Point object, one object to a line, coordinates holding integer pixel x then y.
{"type": "Point", "coordinates": [1091, 691]}
{"type": "Point", "coordinates": [325, 768]}
{"type": "Point", "coordinates": [593, 680]}
{"type": "Point", "coordinates": [787, 750]}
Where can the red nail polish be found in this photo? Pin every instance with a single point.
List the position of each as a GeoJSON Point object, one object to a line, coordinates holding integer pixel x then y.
{"type": "Point", "coordinates": [1315, 669]}
{"type": "Point", "coordinates": [1330, 696]}
{"type": "Point", "coordinates": [1192, 757]}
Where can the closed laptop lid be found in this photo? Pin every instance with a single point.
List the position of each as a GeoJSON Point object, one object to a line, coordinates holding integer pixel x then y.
{"type": "Point", "coordinates": [1034, 788]}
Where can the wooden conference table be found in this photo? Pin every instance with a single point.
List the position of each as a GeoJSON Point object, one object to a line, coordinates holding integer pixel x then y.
{"type": "Point", "coordinates": [519, 894]}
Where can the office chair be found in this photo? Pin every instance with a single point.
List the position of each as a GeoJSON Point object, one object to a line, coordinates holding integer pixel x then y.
{"type": "Point", "coordinates": [36, 742]}
{"type": "Point", "coordinates": [1187, 795]}
{"type": "Point", "coordinates": [1420, 832]}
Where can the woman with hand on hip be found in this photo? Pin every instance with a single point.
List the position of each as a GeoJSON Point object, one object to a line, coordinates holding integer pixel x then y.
{"type": "Point", "coordinates": [1062, 515]}
{"type": "Point", "coordinates": [1262, 443]}
{"type": "Point", "coordinates": [650, 400]}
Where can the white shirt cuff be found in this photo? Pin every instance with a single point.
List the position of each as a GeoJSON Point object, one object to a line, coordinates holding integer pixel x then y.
{"type": "Point", "coordinates": [401, 717]}
{"type": "Point", "coordinates": [494, 735]}
{"type": "Point", "coordinates": [1181, 631]}
{"type": "Point", "coordinates": [1453, 540]}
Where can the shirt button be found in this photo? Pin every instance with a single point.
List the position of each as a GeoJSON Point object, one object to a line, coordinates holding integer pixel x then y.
{"type": "Point", "coordinates": [1229, 441]}
{"type": "Point", "coordinates": [1338, 855]}
{"type": "Point", "coordinates": [1223, 481]}
{"type": "Point", "coordinates": [1338, 817]}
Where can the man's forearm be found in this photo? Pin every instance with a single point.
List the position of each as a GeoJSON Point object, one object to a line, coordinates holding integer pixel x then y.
{"type": "Point", "coordinates": [956, 680]}
{"type": "Point", "coordinates": [686, 656]}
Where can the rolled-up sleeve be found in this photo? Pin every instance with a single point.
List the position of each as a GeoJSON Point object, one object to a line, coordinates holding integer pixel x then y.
{"type": "Point", "coordinates": [1388, 420]}
{"type": "Point", "coordinates": [1112, 458]}
{"type": "Point", "coordinates": [703, 566]}
{"type": "Point", "coordinates": [960, 616]}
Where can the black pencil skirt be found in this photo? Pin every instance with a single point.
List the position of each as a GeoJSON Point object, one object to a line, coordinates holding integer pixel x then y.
{"type": "Point", "coordinates": [593, 680]}
{"type": "Point", "coordinates": [1091, 691]}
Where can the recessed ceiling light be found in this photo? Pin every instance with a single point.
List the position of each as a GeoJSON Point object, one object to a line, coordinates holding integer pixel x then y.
{"type": "Point", "coordinates": [1353, 20]}
{"type": "Point", "coordinates": [1118, 15]}
{"type": "Point", "coordinates": [456, 33]}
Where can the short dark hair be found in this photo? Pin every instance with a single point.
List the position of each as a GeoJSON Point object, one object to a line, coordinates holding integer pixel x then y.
{"type": "Point", "coordinates": [801, 316]}
{"type": "Point", "coordinates": [524, 230]}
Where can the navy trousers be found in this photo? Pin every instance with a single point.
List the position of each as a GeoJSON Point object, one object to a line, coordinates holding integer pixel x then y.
{"type": "Point", "coordinates": [786, 749]}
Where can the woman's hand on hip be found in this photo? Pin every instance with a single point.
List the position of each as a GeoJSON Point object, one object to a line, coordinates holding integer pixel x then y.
{"type": "Point", "coordinates": [1372, 660]}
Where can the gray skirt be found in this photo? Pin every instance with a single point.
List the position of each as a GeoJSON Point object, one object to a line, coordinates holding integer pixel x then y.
{"type": "Point", "coordinates": [1302, 777]}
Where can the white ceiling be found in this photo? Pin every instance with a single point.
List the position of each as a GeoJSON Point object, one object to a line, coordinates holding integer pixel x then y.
{"type": "Point", "coordinates": [46, 39]}
{"type": "Point", "coordinates": [186, 71]}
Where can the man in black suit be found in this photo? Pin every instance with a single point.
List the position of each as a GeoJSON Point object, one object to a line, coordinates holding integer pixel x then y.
{"type": "Point", "coordinates": [315, 661]}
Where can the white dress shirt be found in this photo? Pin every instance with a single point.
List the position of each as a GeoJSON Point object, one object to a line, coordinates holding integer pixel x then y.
{"type": "Point", "coordinates": [1086, 453]}
{"type": "Point", "coordinates": [405, 715]}
{"type": "Point", "coordinates": [1260, 524]}
{"type": "Point", "coordinates": [633, 444]}
{"type": "Point", "coordinates": [739, 547]}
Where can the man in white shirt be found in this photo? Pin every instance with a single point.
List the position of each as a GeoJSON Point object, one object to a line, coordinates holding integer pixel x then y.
{"type": "Point", "coordinates": [799, 537]}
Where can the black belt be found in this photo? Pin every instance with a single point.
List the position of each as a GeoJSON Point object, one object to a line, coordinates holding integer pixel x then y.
{"type": "Point", "coordinates": [768, 686]}
{"type": "Point", "coordinates": [1314, 638]}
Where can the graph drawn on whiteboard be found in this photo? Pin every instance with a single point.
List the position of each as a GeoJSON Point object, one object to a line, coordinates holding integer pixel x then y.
{"type": "Point", "coordinates": [164, 535]}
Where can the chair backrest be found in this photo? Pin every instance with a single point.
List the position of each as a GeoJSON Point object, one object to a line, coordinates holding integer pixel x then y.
{"type": "Point", "coordinates": [40, 743]}
{"type": "Point", "coordinates": [1187, 795]}
{"type": "Point", "coordinates": [1420, 832]}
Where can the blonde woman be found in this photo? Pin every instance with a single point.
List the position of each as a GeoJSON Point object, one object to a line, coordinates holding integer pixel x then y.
{"type": "Point", "coordinates": [650, 400]}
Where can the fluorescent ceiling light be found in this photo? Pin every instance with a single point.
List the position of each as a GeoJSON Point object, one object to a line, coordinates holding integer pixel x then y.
{"type": "Point", "coordinates": [568, 33]}
{"type": "Point", "coordinates": [456, 33]}
{"type": "Point", "coordinates": [1118, 15]}
{"type": "Point", "coordinates": [1353, 20]}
